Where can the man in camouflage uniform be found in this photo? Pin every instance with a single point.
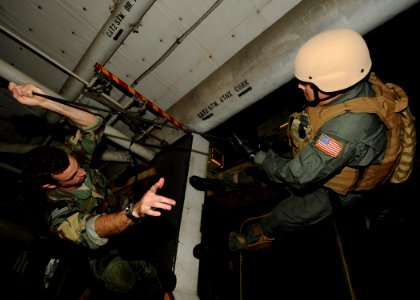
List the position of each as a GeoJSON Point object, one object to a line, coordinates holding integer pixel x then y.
{"type": "Point", "coordinates": [82, 208]}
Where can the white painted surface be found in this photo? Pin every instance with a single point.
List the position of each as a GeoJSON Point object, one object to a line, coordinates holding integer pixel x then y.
{"type": "Point", "coordinates": [186, 265]}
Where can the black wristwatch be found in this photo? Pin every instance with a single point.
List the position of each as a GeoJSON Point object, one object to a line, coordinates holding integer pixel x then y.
{"type": "Point", "coordinates": [129, 213]}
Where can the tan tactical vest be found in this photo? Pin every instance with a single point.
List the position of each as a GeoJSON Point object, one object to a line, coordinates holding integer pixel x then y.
{"type": "Point", "coordinates": [391, 106]}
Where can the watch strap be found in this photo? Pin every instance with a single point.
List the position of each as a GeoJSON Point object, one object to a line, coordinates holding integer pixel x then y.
{"type": "Point", "coordinates": [129, 213]}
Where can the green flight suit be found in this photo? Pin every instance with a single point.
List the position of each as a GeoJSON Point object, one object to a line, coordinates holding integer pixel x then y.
{"type": "Point", "coordinates": [352, 139]}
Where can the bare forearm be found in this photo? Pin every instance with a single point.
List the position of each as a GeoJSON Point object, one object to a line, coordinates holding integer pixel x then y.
{"type": "Point", "coordinates": [148, 205]}
{"type": "Point", "coordinates": [111, 224]}
{"type": "Point", "coordinates": [24, 94]}
{"type": "Point", "coordinates": [78, 116]}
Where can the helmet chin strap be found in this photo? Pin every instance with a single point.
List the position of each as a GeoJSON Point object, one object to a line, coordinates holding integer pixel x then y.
{"type": "Point", "coordinates": [317, 100]}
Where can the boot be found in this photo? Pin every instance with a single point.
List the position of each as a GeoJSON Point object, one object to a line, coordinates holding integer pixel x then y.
{"type": "Point", "coordinates": [205, 184]}
{"type": "Point", "coordinates": [252, 239]}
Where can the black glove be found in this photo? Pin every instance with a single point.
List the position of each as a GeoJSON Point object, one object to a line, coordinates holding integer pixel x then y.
{"type": "Point", "coordinates": [243, 145]}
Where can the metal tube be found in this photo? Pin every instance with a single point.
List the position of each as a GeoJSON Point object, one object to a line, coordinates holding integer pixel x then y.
{"type": "Point", "coordinates": [107, 42]}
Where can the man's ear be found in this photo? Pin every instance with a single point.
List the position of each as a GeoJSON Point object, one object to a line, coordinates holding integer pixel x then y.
{"type": "Point", "coordinates": [49, 186]}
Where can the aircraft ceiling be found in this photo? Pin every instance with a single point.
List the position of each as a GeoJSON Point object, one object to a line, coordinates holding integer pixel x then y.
{"type": "Point", "coordinates": [166, 51]}
{"type": "Point", "coordinates": [162, 49]}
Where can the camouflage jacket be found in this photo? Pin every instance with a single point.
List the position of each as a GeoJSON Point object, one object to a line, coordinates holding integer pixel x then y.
{"type": "Point", "coordinates": [72, 213]}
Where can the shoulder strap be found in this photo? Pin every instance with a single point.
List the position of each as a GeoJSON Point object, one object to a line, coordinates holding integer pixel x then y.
{"type": "Point", "coordinates": [382, 105]}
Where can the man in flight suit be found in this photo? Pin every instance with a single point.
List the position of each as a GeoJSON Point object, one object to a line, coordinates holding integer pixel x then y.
{"type": "Point", "coordinates": [345, 141]}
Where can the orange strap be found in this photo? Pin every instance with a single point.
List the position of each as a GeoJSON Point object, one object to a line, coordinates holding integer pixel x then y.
{"type": "Point", "coordinates": [132, 91]}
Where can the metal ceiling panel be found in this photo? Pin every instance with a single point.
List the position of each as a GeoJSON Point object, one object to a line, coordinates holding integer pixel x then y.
{"type": "Point", "coordinates": [175, 46]}
{"type": "Point", "coordinates": [232, 24]}
{"type": "Point", "coordinates": [31, 64]}
{"type": "Point", "coordinates": [60, 29]}
{"type": "Point", "coordinates": [160, 28]}
{"type": "Point", "coordinates": [250, 22]}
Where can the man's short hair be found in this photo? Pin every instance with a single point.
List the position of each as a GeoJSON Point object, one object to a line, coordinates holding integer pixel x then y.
{"type": "Point", "coordinates": [42, 162]}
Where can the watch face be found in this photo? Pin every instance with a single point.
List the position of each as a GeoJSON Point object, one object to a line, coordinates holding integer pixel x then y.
{"type": "Point", "coordinates": [129, 209]}
{"type": "Point", "coordinates": [129, 212]}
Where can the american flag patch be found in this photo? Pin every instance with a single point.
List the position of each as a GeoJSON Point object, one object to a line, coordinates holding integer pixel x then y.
{"type": "Point", "coordinates": [329, 145]}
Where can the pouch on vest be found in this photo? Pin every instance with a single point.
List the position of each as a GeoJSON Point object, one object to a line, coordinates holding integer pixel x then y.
{"type": "Point", "coordinates": [408, 136]}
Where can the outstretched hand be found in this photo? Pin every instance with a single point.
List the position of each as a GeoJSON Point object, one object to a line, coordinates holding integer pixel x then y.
{"type": "Point", "coordinates": [24, 93]}
{"type": "Point", "coordinates": [151, 201]}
